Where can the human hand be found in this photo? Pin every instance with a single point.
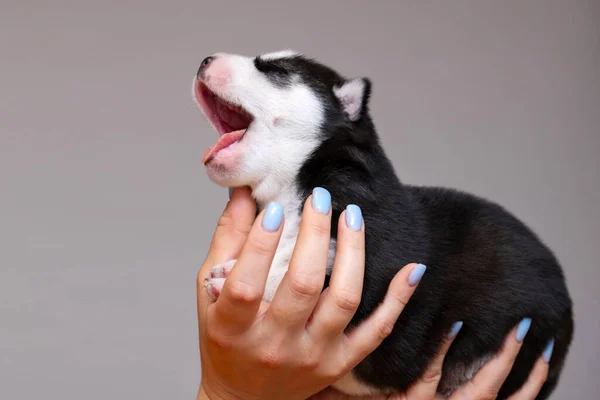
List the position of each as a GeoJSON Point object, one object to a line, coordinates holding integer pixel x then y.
{"type": "Point", "coordinates": [424, 389]}
{"type": "Point", "coordinates": [294, 346]}
{"type": "Point", "coordinates": [485, 385]}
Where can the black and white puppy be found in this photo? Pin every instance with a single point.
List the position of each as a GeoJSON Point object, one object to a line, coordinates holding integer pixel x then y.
{"type": "Point", "coordinates": [288, 124]}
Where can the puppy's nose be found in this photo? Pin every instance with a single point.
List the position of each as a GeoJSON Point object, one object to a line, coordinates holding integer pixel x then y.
{"type": "Point", "coordinates": [203, 66]}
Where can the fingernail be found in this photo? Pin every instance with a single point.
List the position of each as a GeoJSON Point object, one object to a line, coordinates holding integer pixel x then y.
{"type": "Point", "coordinates": [353, 217]}
{"type": "Point", "coordinates": [548, 350]}
{"type": "Point", "coordinates": [321, 200]}
{"type": "Point", "coordinates": [416, 274]}
{"type": "Point", "coordinates": [273, 216]}
{"type": "Point", "coordinates": [523, 328]}
{"type": "Point", "coordinates": [455, 329]}
{"type": "Point", "coordinates": [230, 191]}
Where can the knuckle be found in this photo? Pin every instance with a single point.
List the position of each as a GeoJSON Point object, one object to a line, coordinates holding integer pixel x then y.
{"type": "Point", "coordinates": [281, 314]}
{"type": "Point", "coordinates": [432, 377]}
{"type": "Point", "coordinates": [305, 285]}
{"type": "Point", "coordinates": [259, 247]}
{"type": "Point", "coordinates": [320, 230]}
{"type": "Point", "coordinates": [346, 300]}
{"type": "Point", "coordinates": [334, 374]}
{"type": "Point", "coordinates": [355, 244]}
{"type": "Point", "coordinates": [218, 339]}
{"type": "Point", "coordinates": [401, 301]}
{"type": "Point", "coordinates": [486, 394]}
{"type": "Point", "coordinates": [226, 221]}
{"type": "Point", "coordinates": [271, 358]}
{"type": "Point", "coordinates": [243, 292]}
{"type": "Point", "coordinates": [340, 369]}
{"type": "Point", "coordinates": [384, 328]}
{"type": "Point", "coordinates": [310, 362]}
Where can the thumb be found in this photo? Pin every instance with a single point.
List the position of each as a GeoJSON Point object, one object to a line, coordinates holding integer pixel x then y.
{"type": "Point", "coordinates": [232, 229]}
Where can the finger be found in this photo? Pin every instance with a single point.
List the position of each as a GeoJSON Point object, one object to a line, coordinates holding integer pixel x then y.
{"type": "Point", "coordinates": [490, 378]}
{"type": "Point", "coordinates": [229, 237]}
{"type": "Point", "coordinates": [243, 290]}
{"type": "Point", "coordinates": [232, 230]}
{"type": "Point", "coordinates": [371, 332]}
{"type": "Point", "coordinates": [531, 388]}
{"type": "Point", "coordinates": [340, 300]}
{"type": "Point", "coordinates": [426, 386]}
{"type": "Point", "coordinates": [301, 286]}
{"type": "Point", "coordinates": [332, 394]}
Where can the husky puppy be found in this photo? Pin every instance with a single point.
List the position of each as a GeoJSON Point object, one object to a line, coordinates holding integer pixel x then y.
{"type": "Point", "coordinates": [288, 124]}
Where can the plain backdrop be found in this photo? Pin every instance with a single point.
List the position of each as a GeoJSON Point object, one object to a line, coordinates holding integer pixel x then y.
{"type": "Point", "coordinates": [106, 212]}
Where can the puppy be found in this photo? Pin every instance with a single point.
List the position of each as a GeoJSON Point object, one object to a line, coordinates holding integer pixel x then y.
{"type": "Point", "coordinates": [288, 124]}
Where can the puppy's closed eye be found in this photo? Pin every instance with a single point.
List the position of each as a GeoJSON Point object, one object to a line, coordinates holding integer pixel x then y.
{"type": "Point", "coordinates": [269, 67]}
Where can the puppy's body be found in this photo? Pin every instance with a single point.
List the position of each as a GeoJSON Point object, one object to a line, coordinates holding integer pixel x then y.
{"type": "Point", "coordinates": [484, 267]}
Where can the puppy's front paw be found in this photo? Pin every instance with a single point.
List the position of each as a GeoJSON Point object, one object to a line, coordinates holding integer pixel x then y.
{"type": "Point", "coordinates": [213, 287]}
{"type": "Point", "coordinates": [222, 270]}
{"type": "Point", "coordinates": [216, 279]}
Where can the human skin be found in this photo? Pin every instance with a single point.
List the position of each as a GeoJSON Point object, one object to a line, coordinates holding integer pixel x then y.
{"type": "Point", "coordinates": [296, 346]}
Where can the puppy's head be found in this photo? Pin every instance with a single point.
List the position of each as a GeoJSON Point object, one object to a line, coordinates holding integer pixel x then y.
{"type": "Point", "coordinates": [271, 112]}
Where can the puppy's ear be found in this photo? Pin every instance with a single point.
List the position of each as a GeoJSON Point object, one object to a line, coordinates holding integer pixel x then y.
{"type": "Point", "coordinates": [354, 95]}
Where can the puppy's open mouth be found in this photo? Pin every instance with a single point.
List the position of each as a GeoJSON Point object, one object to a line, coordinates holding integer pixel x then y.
{"type": "Point", "coordinates": [230, 120]}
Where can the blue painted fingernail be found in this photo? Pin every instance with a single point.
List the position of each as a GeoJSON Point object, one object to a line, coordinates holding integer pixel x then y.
{"type": "Point", "coordinates": [230, 191]}
{"type": "Point", "coordinates": [416, 274]}
{"type": "Point", "coordinates": [548, 350]}
{"type": "Point", "coordinates": [321, 200]}
{"type": "Point", "coordinates": [273, 216]}
{"type": "Point", "coordinates": [354, 217]}
{"type": "Point", "coordinates": [523, 328]}
{"type": "Point", "coordinates": [455, 329]}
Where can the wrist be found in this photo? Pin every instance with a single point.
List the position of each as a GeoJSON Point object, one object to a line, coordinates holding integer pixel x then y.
{"type": "Point", "coordinates": [207, 393]}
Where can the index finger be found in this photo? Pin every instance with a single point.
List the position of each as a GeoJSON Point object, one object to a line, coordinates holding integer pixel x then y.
{"type": "Point", "coordinates": [244, 287]}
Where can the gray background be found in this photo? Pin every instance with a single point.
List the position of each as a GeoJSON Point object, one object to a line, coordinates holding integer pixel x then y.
{"type": "Point", "coordinates": [106, 212]}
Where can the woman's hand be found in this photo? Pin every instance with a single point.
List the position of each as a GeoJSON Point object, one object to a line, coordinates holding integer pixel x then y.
{"type": "Point", "coordinates": [485, 385]}
{"type": "Point", "coordinates": [294, 346]}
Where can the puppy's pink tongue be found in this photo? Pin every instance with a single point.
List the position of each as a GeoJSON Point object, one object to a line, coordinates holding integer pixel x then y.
{"type": "Point", "coordinates": [207, 153]}
{"type": "Point", "coordinates": [224, 141]}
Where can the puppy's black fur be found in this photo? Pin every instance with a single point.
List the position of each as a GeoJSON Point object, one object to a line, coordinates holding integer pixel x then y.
{"type": "Point", "coordinates": [484, 266]}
